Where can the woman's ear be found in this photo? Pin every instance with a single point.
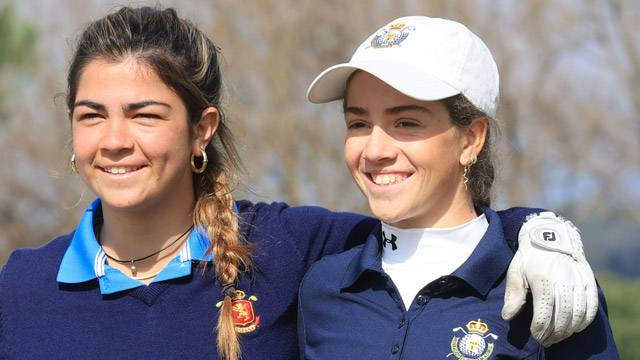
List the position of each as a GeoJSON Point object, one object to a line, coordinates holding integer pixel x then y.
{"type": "Point", "coordinates": [473, 140]}
{"type": "Point", "coordinates": [205, 129]}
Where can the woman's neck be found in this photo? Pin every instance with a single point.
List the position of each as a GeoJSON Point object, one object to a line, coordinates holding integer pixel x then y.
{"type": "Point", "coordinates": [128, 235]}
{"type": "Point", "coordinates": [457, 212]}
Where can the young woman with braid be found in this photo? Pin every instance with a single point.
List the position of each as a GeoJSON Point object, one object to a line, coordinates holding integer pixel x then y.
{"type": "Point", "coordinates": [165, 259]}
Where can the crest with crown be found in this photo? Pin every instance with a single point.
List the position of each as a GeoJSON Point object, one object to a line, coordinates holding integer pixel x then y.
{"type": "Point", "coordinates": [399, 25]}
{"type": "Point", "coordinates": [477, 327]}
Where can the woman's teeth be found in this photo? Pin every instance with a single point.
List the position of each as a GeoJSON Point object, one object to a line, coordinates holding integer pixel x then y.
{"type": "Point", "coordinates": [386, 179]}
{"type": "Point", "coordinates": [120, 169]}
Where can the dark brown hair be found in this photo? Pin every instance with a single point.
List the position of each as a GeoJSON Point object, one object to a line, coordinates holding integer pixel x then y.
{"type": "Point", "coordinates": [482, 174]}
{"type": "Point", "coordinates": [187, 61]}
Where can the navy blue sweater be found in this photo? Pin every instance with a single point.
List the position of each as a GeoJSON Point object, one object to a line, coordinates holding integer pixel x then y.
{"type": "Point", "coordinates": [41, 318]}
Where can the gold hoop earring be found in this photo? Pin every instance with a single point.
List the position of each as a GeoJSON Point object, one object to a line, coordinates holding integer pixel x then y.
{"type": "Point", "coordinates": [205, 160]}
{"type": "Point", "coordinates": [73, 163]}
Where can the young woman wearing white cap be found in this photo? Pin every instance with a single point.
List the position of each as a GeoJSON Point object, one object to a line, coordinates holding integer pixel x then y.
{"type": "Point", "coordinates": [419, 98]}
{"type": "Point", "coordinates": [166, 263]}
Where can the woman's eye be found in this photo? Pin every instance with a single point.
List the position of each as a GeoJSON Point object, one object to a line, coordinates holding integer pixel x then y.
{"type": "Point", "coordinates": [147, 116]}
{"type": "Point", "coordinates": [88, 116]}
{"type": "Point", "coordinates": [407, 124]}
{"type": "Point", "coordinates": [355, 125]}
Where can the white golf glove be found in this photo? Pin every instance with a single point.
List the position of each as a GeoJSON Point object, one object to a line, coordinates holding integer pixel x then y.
{"type": "Point", "coordinates": [550, 261]}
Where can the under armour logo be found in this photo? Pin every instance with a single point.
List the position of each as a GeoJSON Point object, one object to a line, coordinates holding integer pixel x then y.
{"type": "Point", "coordinates": [392, 241]}
{"type": "Point", "coordinates": [549, 236]}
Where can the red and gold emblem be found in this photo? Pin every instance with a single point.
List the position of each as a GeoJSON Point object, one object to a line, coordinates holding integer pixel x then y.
{"type": "Point", "coordinates": [244, 317]}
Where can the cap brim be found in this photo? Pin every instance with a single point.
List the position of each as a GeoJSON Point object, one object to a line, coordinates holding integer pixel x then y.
{"type": "Point", "coordinates": [330, 84]}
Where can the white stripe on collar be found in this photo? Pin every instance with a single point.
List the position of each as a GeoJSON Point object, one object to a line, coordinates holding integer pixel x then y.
{"type": "Point", "coordinates": [98, 265]}
{"type": "Point", "coordinates": [185, 253]}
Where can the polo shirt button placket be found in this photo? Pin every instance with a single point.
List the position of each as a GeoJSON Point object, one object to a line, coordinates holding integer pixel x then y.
{"type": "Point", "coordinates": [395, 349]}
{"type": "Point", "coordinates": [422, 301]}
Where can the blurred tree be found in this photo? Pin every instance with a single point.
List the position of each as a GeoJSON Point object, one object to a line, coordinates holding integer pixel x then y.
{"type": "Point", "coordinates": [17, 45]}
{"type": "Point", "coordinates": [17, 42]}
{"type": "Point", "coordinates": [571, 79]}
{"type": "Point", "coordinates": [34, 199]}
{"type": "Point", "coordinates": [569, 100]}
{"type": "Point", "coordinates": [570, 93]}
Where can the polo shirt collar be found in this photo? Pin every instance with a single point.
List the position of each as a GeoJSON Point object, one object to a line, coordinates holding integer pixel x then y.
{"type": "Point", "coordinates": [369, 258]}
{"type": "Point", "coordinates": [486, 265]}
{"type": "Point", "coordinates": [84, 259]}
{"type": "Point", "coordinates": [490, 259]}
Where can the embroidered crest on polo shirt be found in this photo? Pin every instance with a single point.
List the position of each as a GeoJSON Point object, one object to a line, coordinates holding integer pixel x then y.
{"type": "Point", "coordinates": [394, 35]}
{"type": "Point", "coordinates": [475, 343]}
{"type": "Point", "coordinates": [391, 241]}
{"type": "Point", "coordinates": [244, 317]}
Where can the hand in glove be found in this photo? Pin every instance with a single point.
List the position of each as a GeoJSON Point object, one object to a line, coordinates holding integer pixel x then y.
{"type": "Point", "coordinates": [550, 261]}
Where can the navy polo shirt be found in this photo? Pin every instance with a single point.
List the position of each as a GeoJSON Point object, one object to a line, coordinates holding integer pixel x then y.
{"type": "Point", "coordinates": [349, 308]}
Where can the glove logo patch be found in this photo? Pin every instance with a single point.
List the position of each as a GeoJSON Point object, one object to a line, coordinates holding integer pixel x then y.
{"type": "Point", "coordinates": [549, 236]}
{"type": "Point", "coordinates": [475, 343]}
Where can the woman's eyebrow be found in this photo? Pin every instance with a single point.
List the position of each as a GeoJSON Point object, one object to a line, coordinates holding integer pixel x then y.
{"type": "Point", "coordinates": [398, 109]}
{"type": "Point", "coordinates": [355, 110]}
{"type": "Point", "coordinates": [145, 103]}
{"type": "Point", "coordinates": [90, 104]}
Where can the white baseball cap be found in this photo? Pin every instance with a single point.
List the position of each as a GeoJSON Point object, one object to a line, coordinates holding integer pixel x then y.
{"type": "Point", "coordinates": [424, 58]}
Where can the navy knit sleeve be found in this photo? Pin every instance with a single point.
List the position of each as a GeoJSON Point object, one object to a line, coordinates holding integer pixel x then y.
{"type": "Point", "coordinates": [313, 231]}
{"type": "Point", "coordinates": [512, 220]}
{"type": "Point", "coordinates": [318, 232]}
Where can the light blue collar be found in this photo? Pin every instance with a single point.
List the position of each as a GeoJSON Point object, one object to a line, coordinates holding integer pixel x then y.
{"type": "Point", "coordinates": [84, 260]}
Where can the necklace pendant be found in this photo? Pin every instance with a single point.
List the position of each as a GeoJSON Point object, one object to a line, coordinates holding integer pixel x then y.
{"type": "Point", "coordinates": [133, 270]}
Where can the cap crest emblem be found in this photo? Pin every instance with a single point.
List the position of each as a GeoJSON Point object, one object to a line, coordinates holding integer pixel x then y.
{"type": "Point", "coordinates": [396, 34]}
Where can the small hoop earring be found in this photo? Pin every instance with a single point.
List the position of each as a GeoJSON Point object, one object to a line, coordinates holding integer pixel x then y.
{"type": "Point", "coordinates": [205, 160]}
{"type": "Point", "coordinates": [73, 163]}
{"type": "Point", "coordinates": [473, 160]}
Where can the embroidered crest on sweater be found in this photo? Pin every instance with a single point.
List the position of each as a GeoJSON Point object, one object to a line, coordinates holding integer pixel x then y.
{"type": "Point", "coordinates": [244, 316]}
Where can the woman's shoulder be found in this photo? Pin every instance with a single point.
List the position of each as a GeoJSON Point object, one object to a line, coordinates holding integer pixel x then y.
{"type": "Point", "coordinates": [512, 219]}
{"type": "Point", "coordinates": [301, 219]}
{"type": "Point", "coordinates": [278, 208]}
{"type": "Point", "coordinates": [30, 260]}
{"type": "Point", "coordinates": [332, 268]}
